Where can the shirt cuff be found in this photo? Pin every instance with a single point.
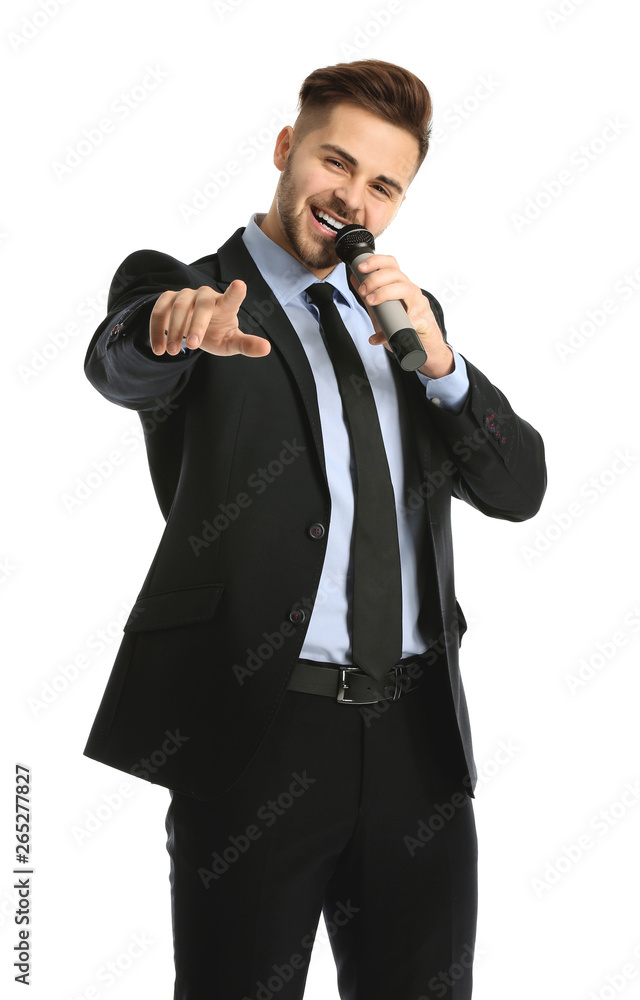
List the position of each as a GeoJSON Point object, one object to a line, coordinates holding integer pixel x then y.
{"type": "Point", "coordinates": [449, 392]}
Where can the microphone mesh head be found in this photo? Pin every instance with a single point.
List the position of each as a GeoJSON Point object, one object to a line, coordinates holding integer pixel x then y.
{"type": "Point", "coordinates": [352, 241]}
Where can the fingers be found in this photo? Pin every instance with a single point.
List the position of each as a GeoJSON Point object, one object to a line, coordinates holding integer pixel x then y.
{"type": "Point", "coordinates": [185, 305]}
{"type": "Point", "coordinates": [376, 261]}
{"type": "Point", "coordinates": [387, 292]}
{"type": "Point", "coordinates": [203, 307]}
{"type": "Point", "coordinates": [159, 320]}
{"type": "Point", "coordinates": [206, 318]}
{"type": "Point", "coordinates": [384, 281]}
{"type": "Point", "coordinates": [223, 335]}
{"type": "Point", "coordinates": [387, 284]}
{"type": "Point", "coordinates": [172, 313]}
{"type": "Point", "coordinates": [379, 338]}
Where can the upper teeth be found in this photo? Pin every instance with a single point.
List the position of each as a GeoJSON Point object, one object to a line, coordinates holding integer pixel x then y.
{"type": "Point", "coordinates": [332, 222]}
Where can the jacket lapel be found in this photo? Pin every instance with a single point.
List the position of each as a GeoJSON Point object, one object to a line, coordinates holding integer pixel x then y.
{"type": "Point", "coordinates": [264, 311]}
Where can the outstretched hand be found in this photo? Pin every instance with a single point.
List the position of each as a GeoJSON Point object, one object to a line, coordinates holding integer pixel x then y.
{"type": "Point", "coordinates": [208, 319]}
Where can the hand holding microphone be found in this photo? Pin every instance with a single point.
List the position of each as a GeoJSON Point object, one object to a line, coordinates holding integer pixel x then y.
{"type": "Point", "coordinates": [354, 245]}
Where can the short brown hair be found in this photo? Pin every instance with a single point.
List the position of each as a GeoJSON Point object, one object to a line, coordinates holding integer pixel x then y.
{"type": "Point", "coordinates": [389, 91]}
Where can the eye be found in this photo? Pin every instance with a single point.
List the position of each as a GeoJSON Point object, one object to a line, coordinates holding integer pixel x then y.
{"type": "Point", "coordinates": [335, 163]}
{"type": "Point", "coordinates": [382, 190]}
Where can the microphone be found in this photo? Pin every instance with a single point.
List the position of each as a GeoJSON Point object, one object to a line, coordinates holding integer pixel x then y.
{"type": "Point", "coordinates": [353, 245]}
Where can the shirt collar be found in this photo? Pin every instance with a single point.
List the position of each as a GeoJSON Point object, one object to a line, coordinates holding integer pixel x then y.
{"type": "Point", "coordinates": [286, 276]}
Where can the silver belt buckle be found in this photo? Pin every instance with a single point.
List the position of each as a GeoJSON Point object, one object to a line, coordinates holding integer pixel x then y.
{"type": "Point", "coordinates": [343, 687]}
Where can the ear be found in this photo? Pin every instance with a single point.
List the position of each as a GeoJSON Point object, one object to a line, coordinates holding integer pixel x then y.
{"type": "Point", "coordinates": [284, 144]}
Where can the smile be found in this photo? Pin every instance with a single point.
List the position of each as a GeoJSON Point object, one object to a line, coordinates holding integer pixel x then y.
{"type": "Point", "coordinates": [326, 223]}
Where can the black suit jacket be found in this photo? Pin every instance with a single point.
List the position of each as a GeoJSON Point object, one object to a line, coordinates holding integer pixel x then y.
{"type": "Point", "coordinates": [236, 456]}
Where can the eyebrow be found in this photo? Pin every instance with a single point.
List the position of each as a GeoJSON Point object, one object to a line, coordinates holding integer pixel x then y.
{"type": "Point", "coordinates": [330, 148]}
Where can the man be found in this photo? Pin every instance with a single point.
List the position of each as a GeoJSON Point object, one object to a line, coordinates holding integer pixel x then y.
{"type": "Point", "coordinates": [290, 668]}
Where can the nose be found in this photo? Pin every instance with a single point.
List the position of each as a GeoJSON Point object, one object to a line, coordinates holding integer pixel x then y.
{"type": "Point", "coordinates": [351, 195]}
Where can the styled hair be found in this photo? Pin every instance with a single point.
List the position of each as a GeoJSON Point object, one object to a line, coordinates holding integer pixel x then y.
{"type": "Point", "coordinates": [382, 88]}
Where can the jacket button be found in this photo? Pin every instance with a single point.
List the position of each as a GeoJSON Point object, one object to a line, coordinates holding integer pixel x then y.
{"type": "Point", "coordinates": [297, 616]}
{"type": "Point", "coordinates": [316, 530]}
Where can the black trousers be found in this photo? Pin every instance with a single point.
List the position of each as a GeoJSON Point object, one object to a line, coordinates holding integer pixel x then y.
{"type": "Point", "coordinates": [347, 811]}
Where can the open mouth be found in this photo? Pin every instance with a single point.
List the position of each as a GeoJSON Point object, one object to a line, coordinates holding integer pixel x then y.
{"type": "Point", "coordinates": [326, 222]}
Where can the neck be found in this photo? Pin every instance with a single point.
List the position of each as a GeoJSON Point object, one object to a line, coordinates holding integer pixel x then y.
{"type": "Point", "coordinates": [271, 227]}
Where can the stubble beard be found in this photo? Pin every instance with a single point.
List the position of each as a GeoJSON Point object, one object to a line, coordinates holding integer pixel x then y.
{"type": "Point", "coordinates": [314, 251]}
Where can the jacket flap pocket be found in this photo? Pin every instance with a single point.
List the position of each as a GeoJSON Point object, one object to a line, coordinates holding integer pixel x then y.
{"type": "Point", "coordinates": [173, 607]}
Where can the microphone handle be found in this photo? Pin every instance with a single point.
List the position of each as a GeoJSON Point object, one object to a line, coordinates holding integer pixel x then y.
{"type": "Point", "coordinates": [396, 325]}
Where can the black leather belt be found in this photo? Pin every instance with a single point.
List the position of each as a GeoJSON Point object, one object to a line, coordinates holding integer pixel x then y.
{"type": "Point", "coordinates": [352, 686]}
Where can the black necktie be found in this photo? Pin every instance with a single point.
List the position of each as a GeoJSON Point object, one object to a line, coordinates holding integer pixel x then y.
{"type": "Point", "coordinates": [377, 587]}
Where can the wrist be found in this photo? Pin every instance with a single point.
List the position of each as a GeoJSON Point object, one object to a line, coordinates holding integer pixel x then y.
{"type": "Point", "coordinates": [440, 364]}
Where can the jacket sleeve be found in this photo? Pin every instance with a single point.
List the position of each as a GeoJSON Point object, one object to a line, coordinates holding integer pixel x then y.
{"type": "Point", "coordinates": [119, 361]}
{"type": "Point", "coordinates": [496, 458]}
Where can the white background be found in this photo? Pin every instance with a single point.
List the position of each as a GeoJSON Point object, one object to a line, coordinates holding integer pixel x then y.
{"type": "Point", "coordinates": [544, 599]}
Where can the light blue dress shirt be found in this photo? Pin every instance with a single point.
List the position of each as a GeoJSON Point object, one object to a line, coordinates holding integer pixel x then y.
{"type": "Point", "coordinates": [328, 635]}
